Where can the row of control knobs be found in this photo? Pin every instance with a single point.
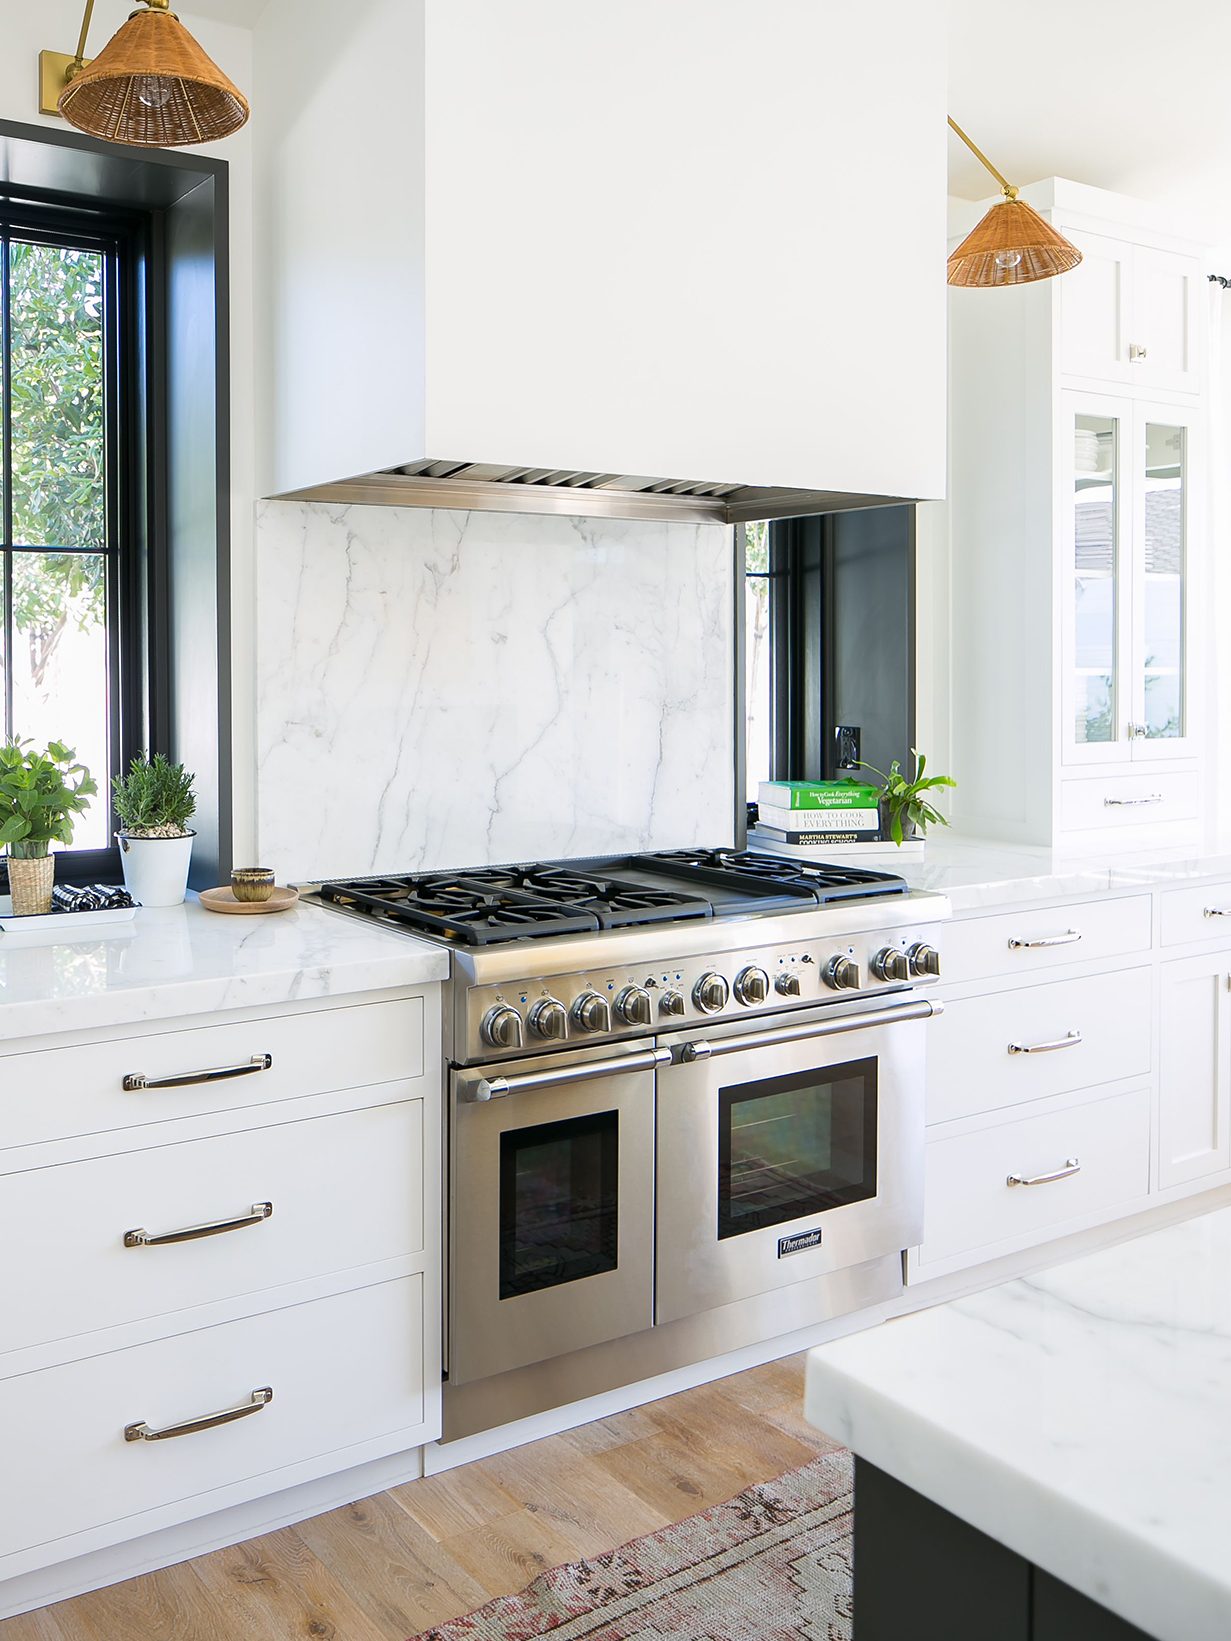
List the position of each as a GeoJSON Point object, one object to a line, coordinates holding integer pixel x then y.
{"type": "Point", "coordinates": [592, 1014]}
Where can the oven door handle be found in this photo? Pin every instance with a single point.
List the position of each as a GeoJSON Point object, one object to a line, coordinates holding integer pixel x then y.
{"type": "Point", "coordinates": [923, 1009]}
{"type": "Point", "coordinates": [495, 1088]}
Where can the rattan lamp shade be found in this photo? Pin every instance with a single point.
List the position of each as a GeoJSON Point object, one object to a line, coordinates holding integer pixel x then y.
{"type": "Point", "coordinates": [152, 86]}
{"type": "Point", "coordinates": [1012, 245]}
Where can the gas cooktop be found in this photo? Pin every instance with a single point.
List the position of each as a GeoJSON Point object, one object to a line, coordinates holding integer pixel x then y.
{"type": "Point", "coordinates": [495, 904]}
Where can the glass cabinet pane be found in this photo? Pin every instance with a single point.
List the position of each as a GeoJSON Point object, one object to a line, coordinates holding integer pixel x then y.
{"type": "Point", "coordinates": [1096, 551]}
{"type": "Point", "coordinates": [1164, 569]}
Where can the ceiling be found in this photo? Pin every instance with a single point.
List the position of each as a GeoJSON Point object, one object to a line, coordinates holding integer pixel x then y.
{"type": "Point", "coordinates": [227, 11]}
{"type": "Point", "coordinates": [1123, 94]}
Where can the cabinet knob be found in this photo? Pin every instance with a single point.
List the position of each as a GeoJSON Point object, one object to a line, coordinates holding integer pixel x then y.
{"type": "Point", "coordinates": [1136, 352]}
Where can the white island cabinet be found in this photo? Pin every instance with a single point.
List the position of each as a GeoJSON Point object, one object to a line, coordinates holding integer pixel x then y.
{"type": "Point", "coordinates": [225, 1190]}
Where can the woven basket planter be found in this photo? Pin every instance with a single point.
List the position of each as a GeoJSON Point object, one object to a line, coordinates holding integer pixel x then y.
{"type": "Point", "coordinates": [30, 884]}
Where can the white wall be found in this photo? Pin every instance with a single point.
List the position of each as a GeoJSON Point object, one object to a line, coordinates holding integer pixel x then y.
{"type": "Point", "coordinates": [446, 689]}
{"type": "Point", "coordinates": [54, 25]}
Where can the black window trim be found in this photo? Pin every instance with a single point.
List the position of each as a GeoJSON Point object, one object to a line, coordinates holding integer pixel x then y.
{"type": "Point", "coordinates": [138, 664]}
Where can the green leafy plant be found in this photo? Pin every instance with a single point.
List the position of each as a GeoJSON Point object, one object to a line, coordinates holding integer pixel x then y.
{"type": "Point", "coordinates": [41, 793]}
{"type": "Point", "coordinates": [904, 800]}
{"type": "Point", "coordinates": [155, 799]}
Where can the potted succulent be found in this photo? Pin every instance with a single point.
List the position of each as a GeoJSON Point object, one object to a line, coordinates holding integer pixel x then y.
{"type": "Point", "coordinates": [41, 794]}
{"type": "Point", "coordinates": [154, 803]}
{"type": "Point", "coordinates": [904, 809]}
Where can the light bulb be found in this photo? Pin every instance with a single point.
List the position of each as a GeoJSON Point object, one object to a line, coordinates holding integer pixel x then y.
{"type": "Point", "coordinates": [1008, 259]}
{"type": "Point", "coordinates": [154, 93]}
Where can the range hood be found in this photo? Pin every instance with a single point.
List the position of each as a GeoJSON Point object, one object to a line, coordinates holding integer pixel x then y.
{"type": "Point", "coordinates": [523, 255]}
{"type": "Point", "coordinates": [482, 487]}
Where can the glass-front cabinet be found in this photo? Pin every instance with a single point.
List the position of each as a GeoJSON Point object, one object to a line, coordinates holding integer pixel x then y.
{"type": "Point", "coordinates": [1126, 510]}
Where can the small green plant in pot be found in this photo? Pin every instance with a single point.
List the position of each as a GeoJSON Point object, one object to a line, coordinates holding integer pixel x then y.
{"type": "Point", "coordinates": [154, 802]}
{"type": "Point", "coordinates": [904, 808]}
{"type": "Point", "coordinates": [41, 795]}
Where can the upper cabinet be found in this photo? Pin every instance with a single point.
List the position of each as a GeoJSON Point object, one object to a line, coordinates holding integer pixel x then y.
{"type": "Point", "coordinates": [1129, 314]}
{"type": "Point", "coordinates": [703, 241]}
{"type": "Point", "coordinates": [1077, 535]}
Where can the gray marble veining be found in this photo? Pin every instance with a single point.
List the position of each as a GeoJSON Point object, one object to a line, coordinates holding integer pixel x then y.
{"type": "Point", "coordinates": [445, 689]}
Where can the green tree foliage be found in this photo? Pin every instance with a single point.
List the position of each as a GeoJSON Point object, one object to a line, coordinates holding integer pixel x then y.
{"type": "Point", "coordinates": [56, 299]}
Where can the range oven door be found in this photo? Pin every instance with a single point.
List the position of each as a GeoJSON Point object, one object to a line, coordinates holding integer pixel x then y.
{"type": "Point", "coordinates": [551, 1208]}
{"type": "Point", "coordinates": [789, 1152]}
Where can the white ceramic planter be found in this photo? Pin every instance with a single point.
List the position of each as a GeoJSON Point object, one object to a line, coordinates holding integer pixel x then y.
{"type": "Point", "coordinates": [156, 869]}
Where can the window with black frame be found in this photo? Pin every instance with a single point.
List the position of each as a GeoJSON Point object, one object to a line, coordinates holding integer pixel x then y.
{"type": "Point", "coordinates": [72, 645]}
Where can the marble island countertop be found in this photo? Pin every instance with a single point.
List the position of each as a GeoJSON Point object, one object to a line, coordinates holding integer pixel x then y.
{"type": "Point", "coordinates": [1081, 1416]}
{"type": "Point", "coordinates": [980, 875]}
{"type": "Point", "coordinates": [182, 960]}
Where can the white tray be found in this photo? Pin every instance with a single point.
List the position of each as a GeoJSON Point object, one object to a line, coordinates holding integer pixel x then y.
{"type": "Point", "coordinates": [104, 924]}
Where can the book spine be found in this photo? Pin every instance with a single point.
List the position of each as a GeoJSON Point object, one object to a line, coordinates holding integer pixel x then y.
{"type": "Point", "coordinates": [778, 835]}
{"type": "Point", "coordinates": [810, 799]}
{"type": "Point", "coordinates": [819, 820]}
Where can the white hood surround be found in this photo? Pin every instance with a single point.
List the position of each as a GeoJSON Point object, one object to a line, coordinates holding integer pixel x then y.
{"type": "Point", "coordinates": [444, 689]}
{"type": "Point", "coordinates": [654, 260]}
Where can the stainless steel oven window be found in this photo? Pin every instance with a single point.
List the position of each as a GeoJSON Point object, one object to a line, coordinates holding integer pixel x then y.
{"type": "Point", "coordinates": [797, 1145]}
{"type": "Point", "coordinates": [559, 1202]}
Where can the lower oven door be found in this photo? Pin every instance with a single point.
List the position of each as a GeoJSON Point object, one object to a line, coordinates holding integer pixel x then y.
{"type": "Point", "coordinates": [788, 1153]}
{"type": "Point", "coordinates": [551, 1208]}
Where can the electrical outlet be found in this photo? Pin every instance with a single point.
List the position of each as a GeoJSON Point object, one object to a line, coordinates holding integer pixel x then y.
{"type": "Point", "coordinates": [846, 738]}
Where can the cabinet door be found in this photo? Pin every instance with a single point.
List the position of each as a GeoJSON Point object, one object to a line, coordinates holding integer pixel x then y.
{"type": "Point", "coordinates": [1194, 1130]}
{"type": "Point", "coordinates": [1163, 464]}
{"type": "Point", "coordinates": [1163, 340]}
{"type": "Point", "coordinates": [1096, 584]}
{"type": "Point", "coordinates": [1094, 303]}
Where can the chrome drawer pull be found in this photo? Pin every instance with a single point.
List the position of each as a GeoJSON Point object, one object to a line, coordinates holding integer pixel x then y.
{"type": "Point", "coordinates": [1069, 1040]}
{"type": "Point", "coordinates": [1071, 1167]}
{"type": "Point", "coordinates": [1065, 939]}
{"type": "Point", "coordinates": [206, 1421]}
{"type": "Point", "coordinates": [141, 1238]}
{"type": "Point", "coordinates": [137, 1079]}
{"type": "Point", "coordinates": [1216, 911]}
{"type": "Point", "coordinates": [1131, 803]}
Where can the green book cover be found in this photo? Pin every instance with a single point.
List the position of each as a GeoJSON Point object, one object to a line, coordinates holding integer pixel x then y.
{"type": "Point", "coordinates": [818, 795]}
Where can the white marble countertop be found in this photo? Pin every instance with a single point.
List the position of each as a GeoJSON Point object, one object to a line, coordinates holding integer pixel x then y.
{"type": "Point", "coordinates": [979, 875]}
{"type": "Point", "coordinates": [1081, 1416]}
{"type": "Point", "coordinates": [183, 960]}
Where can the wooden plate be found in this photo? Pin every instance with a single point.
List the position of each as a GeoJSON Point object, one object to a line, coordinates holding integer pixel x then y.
{"type": "Point", "coordinates": [223, 900]}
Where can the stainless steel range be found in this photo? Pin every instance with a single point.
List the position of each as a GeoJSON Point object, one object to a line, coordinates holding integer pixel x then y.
{"type": "Point", "coordinates": [685, 1108]}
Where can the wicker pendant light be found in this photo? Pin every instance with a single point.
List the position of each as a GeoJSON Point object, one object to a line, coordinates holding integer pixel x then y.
{"type": "Point", "coordinates": [152, 86]}
{"type": "Point", "coordinates": [1012, 245]}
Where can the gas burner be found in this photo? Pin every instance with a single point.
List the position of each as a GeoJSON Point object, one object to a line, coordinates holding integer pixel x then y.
{"type": "Point", "coordinates": [817, 880]}
{"type": "Point", "coordinates": [463, 909]}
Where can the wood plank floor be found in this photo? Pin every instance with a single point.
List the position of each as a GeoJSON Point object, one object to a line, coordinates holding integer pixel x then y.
{"type": "Point", "coordinates": [390, 1566]}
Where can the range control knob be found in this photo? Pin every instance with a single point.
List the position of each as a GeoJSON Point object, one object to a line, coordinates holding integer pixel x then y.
{"type": "Point", "coordinates": [591, 1012]}
{"type": "Point", "coordinates": [751, 986]}
{"type": "Point", "coordinates": [923, 959]}
{"type": "Point", "coordinates": [842, 973]}
{"type": "Point", "coordinates": [710, 993]}
{"type": "Point", "coordinates": [501, 1027]}
{"type": "Point", "coordinates": [891, 964]}
{"type": "Point", "coordinates": [787, 985]}
{"type": "Point", "coordinates": [549, 1019]}
{"type": "Point", "coordinates": [633, 1006]}
{"type": "Point", "coordinates": [671, 1002]}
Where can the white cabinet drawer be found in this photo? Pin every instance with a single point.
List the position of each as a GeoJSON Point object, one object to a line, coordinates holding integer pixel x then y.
{"type": "Point", "coordinates": [60, 1092]}
{"type": "Point", "coordinates": [343, 1370]}
{"type": "Point", "coordinates": [985, 1053]}
{"type": "Point", "coordinates": [1149, 799]}
{"type": "Point", "coordinates": [969, 1205]}
{"type": "Point", "coordinates": [1196, 914]}
{"type": "Point", "coordinates": [345, 1191]}
{"type": "Point", "coordinates": [1029, 941]}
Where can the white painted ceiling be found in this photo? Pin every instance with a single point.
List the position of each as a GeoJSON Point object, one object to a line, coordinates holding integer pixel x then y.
{"type": "Point", "coordinates": [228, 11]}
{"type": "Point", "coordinates": [1123, 94]}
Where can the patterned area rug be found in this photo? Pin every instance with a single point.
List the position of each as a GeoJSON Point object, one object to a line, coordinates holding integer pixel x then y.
{"type": "Point", "coordinates": [773, 1564]}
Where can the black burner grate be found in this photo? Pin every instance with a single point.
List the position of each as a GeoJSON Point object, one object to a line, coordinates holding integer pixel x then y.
{"type": "Point", "coordinates": [817, 880]}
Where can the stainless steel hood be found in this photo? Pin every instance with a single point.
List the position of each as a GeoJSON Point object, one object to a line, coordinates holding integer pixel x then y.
{"type": "Point", "coordinates": [485, 487]}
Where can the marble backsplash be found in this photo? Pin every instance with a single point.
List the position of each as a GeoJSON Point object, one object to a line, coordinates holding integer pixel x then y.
{"type": "Point", "coordinates": [439, 689]}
